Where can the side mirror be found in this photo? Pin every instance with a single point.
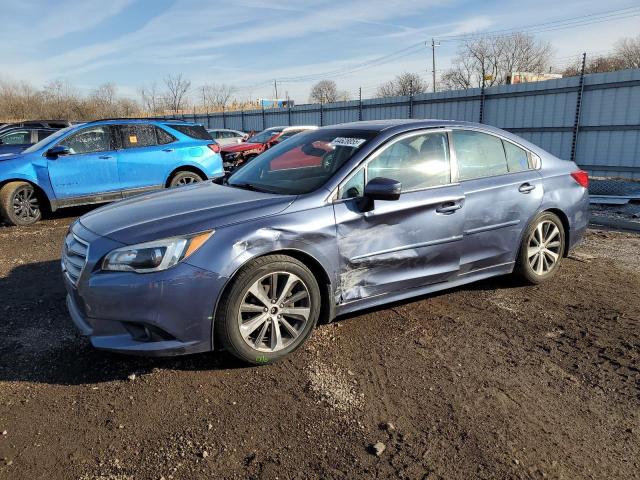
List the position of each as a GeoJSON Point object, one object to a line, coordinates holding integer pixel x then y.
{"type": "Point", "coordinates": [379, 188]}
{"type": "Point", "coordinates": [58, 151]}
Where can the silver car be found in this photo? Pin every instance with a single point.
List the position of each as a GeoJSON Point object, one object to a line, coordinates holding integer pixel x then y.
{"type": "Point", "coordinates": [225, 136]}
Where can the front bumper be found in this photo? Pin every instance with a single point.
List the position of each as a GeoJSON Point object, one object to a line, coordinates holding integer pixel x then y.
{"type": "Point", "coordinates": [156, 314]}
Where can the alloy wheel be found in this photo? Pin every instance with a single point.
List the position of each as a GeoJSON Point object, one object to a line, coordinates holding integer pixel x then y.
{"type": "Point", "coordinates": [274, 311]}
{"type": "Point", "coordinates": [187, 180]}
{"type": "Point", "coordinates": [543, 248]}
{"type": "Point", "coordinates": [25, 203]}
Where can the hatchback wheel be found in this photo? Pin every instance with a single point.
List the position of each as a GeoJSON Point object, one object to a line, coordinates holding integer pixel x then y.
{"type": "Point", "coordinates": [19, 203]}
{"type": "Point", "coordinates": [181, 179]}
{"type": "Point", "coordinates": [541, 249]}
{"type": "Point", "coordinates": [269, 310]}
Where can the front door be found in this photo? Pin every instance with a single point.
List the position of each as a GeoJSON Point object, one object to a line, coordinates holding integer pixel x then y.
{"type": "Point", "coordinates": [502, 192]}
{"type": "Point", "coordinates": [90, 173]}
{"type": "Point", "coordinates": [405, 243]}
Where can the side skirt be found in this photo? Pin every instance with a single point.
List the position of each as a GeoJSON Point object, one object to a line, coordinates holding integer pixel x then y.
{"type": "Point", "coordinates": [101, 198]}
{"type": "Point", "coordinates": [382, 299]}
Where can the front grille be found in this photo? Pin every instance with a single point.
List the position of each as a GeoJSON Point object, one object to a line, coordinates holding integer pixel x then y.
{"type": "Point", "coordinates": [74, 257]}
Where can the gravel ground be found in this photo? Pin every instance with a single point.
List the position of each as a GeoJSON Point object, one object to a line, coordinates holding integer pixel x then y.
{"type": "Point", "coordinates": [492, 380]}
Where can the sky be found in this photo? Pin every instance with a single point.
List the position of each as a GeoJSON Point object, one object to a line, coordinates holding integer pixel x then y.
{"type": "Point", "coordinates": [251, 43]}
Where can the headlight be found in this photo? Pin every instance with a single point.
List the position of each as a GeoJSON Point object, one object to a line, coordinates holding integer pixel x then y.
{"type": "Point", "coordinates": [154, 256]}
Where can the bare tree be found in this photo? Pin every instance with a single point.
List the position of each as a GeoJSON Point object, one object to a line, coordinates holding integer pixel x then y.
{"type": "Point", "coordinates": [177, 88]}
{"type": "Point", "coordinates": [490, 60]}
{"type": "Point", "coordinates": [326, 91]}
{"type": "Point", "coordinates": [152, 101]}
{"type": "Point", "coordinates": [216, 97]}
{"type": "Point", "coordinates": [404, 84]}
{"type": "Point", "coordinates": [627, 51]}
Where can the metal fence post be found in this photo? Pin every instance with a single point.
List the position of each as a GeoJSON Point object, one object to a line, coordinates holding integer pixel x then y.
{"type": "Point", "coordinates": [481, 103]}
{"type": "Point", "coordinates": [410, 104]}
{"type": "Point", "coordinates": [576, 122]}
{"type": "Point", "coordinates": [289, 113]}
{"type": "Point", "coordinates": [264, 123]}
{"type": "Point", "coordinates": [242, 120]}
{"type": "Point", "coordinates": [224, 118]}
{"type": "Point", "coordinates": [321, 115]}
{"type": "Point", "coordinates": [360, 103]}
{"type": "Point", "coordinates": [208, 120]}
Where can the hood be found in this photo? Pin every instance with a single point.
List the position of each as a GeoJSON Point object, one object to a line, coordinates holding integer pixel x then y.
{"type": "Point", "coordinates": [240, 147]}
{"type": "Point", "coordinates": [181, 211]}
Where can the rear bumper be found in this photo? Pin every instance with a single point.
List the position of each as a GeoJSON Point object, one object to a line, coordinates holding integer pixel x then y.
{"type": "Point", "coordinates": [160, 314]}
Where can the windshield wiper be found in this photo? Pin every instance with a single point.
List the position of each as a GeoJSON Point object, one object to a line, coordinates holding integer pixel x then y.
{"type": "Point", "coordinates": [250, 186]}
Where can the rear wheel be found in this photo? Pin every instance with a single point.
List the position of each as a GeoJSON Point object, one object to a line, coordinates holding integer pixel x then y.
{"type": "Point", "coordinates": [541, 249]}
{"type": "Point", "coordinates": [19, 203]}
{"type": "Point", "coordinates": [180, 179]}
{"type": "Point", "coordinates": [269, 310]}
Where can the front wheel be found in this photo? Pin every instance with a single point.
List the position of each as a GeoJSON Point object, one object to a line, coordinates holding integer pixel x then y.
{"type": "Point", "coordinates": [269, 310]}
{"type": "Point", "coordinates": [180, 179]}
{"type": "Point", "coordinates": [541, 249]}
{"type": "Point", "coordinates": [19, 204]}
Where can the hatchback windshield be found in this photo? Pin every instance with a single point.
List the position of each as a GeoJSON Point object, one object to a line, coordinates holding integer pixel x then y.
{"type": "Point", "coordinates": [264, 136]}
{"type": "Point", "coordinates": [303, 163]}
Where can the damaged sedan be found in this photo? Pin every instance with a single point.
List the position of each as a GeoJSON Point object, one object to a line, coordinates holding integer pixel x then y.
{"type": "Point", "coordinates": [332, 221]}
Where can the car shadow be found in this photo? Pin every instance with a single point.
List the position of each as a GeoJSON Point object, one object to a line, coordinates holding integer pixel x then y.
{"type": "Point", "coordinates": [63, 213]}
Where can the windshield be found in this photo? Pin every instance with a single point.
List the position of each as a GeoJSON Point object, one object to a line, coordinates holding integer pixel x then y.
{"type": "Point", "coordinates": [47, 140]}
{"type": "Point", "coordinates": [303, 163]}
{"type": "Point", "coordinates": [264, 136]}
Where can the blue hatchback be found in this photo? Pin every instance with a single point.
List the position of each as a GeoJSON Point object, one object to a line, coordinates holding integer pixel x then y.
{"type": "Point", "coordinates": [329, 222]}
{"type": "Point", "coordinates": [103, 161]}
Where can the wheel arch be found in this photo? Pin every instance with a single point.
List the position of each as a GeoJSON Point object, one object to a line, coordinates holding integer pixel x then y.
{"type": "Point", "coordinates": [565, 224]}
{"type": "Point", "coordinates": [42, 194]}
{"type": "Point", "coordinates": [185, 168]}
{"type": "Point", "coordinates": [327, 308]}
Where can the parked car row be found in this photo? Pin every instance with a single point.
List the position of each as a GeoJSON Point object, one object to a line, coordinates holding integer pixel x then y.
{"type": "Point", "coordinates": [16, 137]}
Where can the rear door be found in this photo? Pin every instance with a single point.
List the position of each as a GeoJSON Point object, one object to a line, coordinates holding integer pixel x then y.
{"type": "Point", "coordinates": [91, 170]}
{"type": "Point", "coordinates": [405, 243]}
{"type": "Point", "coordinates": [146, 157]}
{"type": "Point", "coordinates": [502, 192]}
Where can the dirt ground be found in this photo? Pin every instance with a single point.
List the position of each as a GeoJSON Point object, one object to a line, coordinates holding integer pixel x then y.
{"type": "Point", "coordinates": [492, 380]}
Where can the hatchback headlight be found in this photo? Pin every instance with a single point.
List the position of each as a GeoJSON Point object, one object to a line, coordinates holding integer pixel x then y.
{"type": "Point", "coordinates": [154, 256]}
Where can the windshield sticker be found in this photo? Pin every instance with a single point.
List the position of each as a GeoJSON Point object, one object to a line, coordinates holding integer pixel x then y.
{"type": "Point", "coordinates": [133, 139]}
{"type": "Point", "coordinates": [347, 142]}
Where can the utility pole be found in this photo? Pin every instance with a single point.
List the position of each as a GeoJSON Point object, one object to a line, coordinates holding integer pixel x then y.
{"type": "Point", "coordinates": [434, 44]}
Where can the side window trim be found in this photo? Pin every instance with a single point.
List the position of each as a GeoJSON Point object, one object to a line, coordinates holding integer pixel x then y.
{"type": "Point", "coordinates": [453, 175]}
{"type": "Point", "coordinates": [534, 160]}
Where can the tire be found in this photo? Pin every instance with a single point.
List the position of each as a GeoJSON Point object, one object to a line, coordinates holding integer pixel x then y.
{"type": "Point", "coordinates": [184, 177]}
{"type": "Point", "coordinates": [256, 341]}
{"type": "Point", "coordinates": [534, 265]}
{"type": "Point", "coordinates": [20, 204]}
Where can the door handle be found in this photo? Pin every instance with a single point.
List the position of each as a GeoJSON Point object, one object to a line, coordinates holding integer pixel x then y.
{"type": "Point", "coordinates": [448, 208]}
{"type": "Point", "coordinates": [105, 157]}
{"type": "Point", "coordinates": [526, 188]}
{"type": "Point", "coordinates": [168, 150]}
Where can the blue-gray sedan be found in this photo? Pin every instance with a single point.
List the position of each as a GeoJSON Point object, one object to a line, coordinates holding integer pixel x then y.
{"type": "Point", "coordinates": [332, 221]}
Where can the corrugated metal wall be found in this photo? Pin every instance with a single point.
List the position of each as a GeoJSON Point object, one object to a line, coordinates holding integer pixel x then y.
{"type": "Point", "coordinates": [608, 141]}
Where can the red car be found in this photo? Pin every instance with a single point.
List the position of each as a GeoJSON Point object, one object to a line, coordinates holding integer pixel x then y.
{"type": "Point", "coordinates": [235, 155]}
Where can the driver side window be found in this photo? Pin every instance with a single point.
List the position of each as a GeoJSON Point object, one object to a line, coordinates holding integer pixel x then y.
{"type": "Point", "coordinates": [90, 140]}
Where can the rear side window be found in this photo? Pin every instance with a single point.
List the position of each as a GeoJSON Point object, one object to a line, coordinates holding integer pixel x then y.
{"type": "Point", "coordinates": [479, 155]}
{"type": "Point", "coordinates": [134, 136]}
{"type": "Point", "coordinates": [163, 137]}
{"type": "Point", "coordinates": [194, 131]}
{"type": "Point", "coordinates": [517, 158]}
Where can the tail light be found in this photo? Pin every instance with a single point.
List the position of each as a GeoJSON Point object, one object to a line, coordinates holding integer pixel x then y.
{"type": "Point", "coordinates": [215, 147]}
{"type": "Point", "coordinates": [581, 177]}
